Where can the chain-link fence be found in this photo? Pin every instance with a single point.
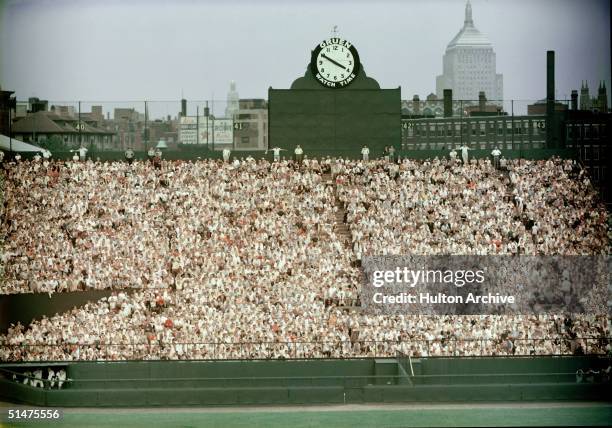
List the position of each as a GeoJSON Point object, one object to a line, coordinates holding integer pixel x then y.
{"type": "Point", "coordinates": [116, 126]}
{"type": "Point", "coordinates": [201, 128]}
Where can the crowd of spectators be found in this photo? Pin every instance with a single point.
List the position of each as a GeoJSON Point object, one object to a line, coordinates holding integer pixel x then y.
{"type": "Point", "coordinates": [448, 207]}
{"type": "Point", "coordinates": [212, 259]}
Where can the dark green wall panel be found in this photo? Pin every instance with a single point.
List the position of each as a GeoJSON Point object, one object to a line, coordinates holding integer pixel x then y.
{"type": "Point", "coordinates": [324, 120]}
{"type": "Point", "coordinates": [179, 383]}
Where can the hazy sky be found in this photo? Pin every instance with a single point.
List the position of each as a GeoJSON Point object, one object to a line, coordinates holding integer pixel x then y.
{"type": "Point", "coordinates": [112, 50]}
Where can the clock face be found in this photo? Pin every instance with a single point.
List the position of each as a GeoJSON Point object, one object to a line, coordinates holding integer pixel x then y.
{"type": "Point", "coordinates": [335, 63]}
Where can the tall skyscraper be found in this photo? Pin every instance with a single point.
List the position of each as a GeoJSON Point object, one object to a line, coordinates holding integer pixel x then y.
{"type": "Point", "coordinates": [232, 106]}
{"type": "Point", "coordinates": [469, 65]}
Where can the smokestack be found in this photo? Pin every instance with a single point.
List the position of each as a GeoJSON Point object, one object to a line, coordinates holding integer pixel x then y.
{"type": "Point", "coordinates": [574, 99]}
{"type": "Point", "coordinates": [416, 105]}
{"type": "Point", "coordinates": [550, 81]}
{"type": "Point", "coordinates": [550, 98]}
{"type": "Point", "coordinates": [482, 101]}
{"type": "Point", "coordinates": [448, 102]}
{"type": "Point", "coordinates": [184, 107]}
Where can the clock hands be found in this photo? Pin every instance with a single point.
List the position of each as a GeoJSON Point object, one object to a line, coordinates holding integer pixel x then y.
{"type": "Point", "coordinates": [335, 62]}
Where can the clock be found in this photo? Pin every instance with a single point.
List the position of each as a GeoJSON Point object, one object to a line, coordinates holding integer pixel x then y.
{"type": "Point", "coordinates": [335, 63]}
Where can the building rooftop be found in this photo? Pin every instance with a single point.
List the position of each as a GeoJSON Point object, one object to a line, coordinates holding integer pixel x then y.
{"type": "Point", "coordinates": [45, 122]}
{"type": "Point", "coordinates": [469, 35]}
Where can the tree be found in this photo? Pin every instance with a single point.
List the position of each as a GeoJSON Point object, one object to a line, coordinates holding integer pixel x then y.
{"type": "Point", "coordinates": [54, 144]}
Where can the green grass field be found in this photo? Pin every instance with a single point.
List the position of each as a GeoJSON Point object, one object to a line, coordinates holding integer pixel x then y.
{"type": "Point", "coordinates": [544, 414]}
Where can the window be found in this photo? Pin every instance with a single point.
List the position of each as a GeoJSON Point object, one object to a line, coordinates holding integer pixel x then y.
{"type": "Point", "coordinates": [517, 128]}
{"type": "Point", "coordinates": [244, 140]}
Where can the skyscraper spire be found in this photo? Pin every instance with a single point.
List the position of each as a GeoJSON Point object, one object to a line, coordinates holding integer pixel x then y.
{"type": "Point", "coordinates": [468, 14]}
{"type": "Point", "coordinates": [476, 48]}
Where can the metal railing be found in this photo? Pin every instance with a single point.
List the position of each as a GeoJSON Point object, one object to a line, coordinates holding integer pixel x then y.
{"type": "Point", "coordinates": [451, 347]}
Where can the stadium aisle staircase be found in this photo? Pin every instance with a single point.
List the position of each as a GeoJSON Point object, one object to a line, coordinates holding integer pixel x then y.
{"type": "Point", "coordinates": [341, 226]}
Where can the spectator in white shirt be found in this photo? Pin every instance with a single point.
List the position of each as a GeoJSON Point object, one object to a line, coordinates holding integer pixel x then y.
{"type": "Point", "coordinates": [276, 151]}
{"type": "Point", "coordinates": [464, 153]}
{"type": "Point", "coordinates": [496, 153]}
{"type": "Point", "coordinates": [299, 154]}
{"type": "Point", "coordinates": [82, 153]}
{"type": "Point", "coordinates": [365, 153]}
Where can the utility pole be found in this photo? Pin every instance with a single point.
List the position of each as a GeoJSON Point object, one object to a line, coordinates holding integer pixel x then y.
{"type": "Point", "coordinates": [80, 134]}
{"type": "Point", "coordinates": [212, 117]}
{"type": "Point", "coordinates": [34, 128]}
{"type": "Point", "coordinates": [206, 114]}
{"type": "Point", "coordinates": [146, 131]}
{"type": "Point", "coordinates": [10, 131]}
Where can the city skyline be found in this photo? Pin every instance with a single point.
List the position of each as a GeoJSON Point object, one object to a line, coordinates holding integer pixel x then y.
{"type": "Point", "coordinates": [135, 50]}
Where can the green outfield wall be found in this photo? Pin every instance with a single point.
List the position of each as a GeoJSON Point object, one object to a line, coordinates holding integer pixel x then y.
{"type": "Point", "coordinates": [202, 383]}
